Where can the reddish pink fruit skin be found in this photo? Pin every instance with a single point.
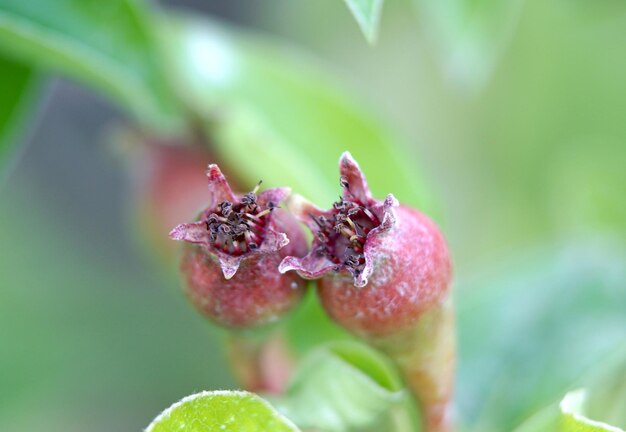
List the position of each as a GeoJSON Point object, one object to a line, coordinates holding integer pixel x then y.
{"type": "Point", "coordinates": [257, 294]}
{"type": "Point", "coordinates": [412, 273]}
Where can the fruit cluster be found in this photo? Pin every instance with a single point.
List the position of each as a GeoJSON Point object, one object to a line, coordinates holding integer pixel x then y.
{"type": "Point", "coordinates": [378, 264]}
{"type": "Point", "coordinates": [382, 272]}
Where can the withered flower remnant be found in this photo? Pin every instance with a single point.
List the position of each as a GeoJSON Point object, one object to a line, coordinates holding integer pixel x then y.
{"type": "Point", "coordinates": [230, 262]}
{"type": "Point", "coordinates": [379, 264]}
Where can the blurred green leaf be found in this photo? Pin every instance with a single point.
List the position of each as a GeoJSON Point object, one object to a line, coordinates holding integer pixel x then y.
{"type": "Point", "coordinates": [106, 44]}
{"type": "Point", "coordinates": [80, 340]}
{"type": "Point", "coordinates": [573, 418]}
{"type": "Point", "coordinates": [536, 327]}
{"type": "Point", "coordinates": [344, 386]}
{"type": "Point", "coordinates": [545, 420]}
{"type": "Point", "coordinates": [469, 35]}
{"type": "Point", "coordinates": [603, 400]}
{"type": "Point", "coordinates": [606, 399]}
{"type": "Point", "coordinates": [367, 15]}
{"type": "Point", "coordinates": [16, 83]}
{"type": "Point", "coordinates": [246, 133]}
{"type": "Point", "coordinates": [589, 182]}
{"type": "Point", "coordinates": [310, 313]}
{"type": "Point", "coordinates": [274, 114]}
{"type": "Point", "coordinates": [218, 411]}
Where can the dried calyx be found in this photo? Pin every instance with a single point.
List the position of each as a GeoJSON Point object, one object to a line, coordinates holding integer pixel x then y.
{"type": "Point", "coordinates": [229, 262]}
{"type": "Point", "coordinates": [342, 236]}
{"type": "Point", "coordinates": [348, 234]}
{"type": "Point", "coordinates": [236, 228]}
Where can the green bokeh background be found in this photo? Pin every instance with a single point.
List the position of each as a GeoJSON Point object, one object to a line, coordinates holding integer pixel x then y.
{"type": "Point", "coordinates": [94, 334]}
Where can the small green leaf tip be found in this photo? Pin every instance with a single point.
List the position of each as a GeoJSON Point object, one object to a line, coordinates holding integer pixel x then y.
{"type": "Point", "coordinates": [367, 15]}
{"type": "Point", "coordinates": [573, 418]}
{"type": "Point", "coordinates": [221, 411]}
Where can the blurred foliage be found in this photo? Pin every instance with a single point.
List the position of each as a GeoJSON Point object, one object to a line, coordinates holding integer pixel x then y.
{"type": "Point", "coordinates": [599, 406]}
{"type": "Point", "coordinates": [82, 339]}
{"type": "Point", "coordinates": [606, 394]}
{"type": "Point", "coordinates": [107, 45]}
{"type": "Point", "coordinates": [298, 325]}
{"type": "Point", "coordinates": [367, 15]}
{"type": "Point", "coordinates": [275, 114]}
{"type": "Point", "coordinates": [469, 36]}
{"type": "Point", "coordinates": [347, 386]}
{"type": "Point", "coordinates": [16, 81]}
{"type": "Point", "coordinates": [534, 327]}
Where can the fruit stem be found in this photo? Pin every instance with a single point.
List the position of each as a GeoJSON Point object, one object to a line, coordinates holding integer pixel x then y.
{"type": "Point", "coordinates": [426, 356]}
{"type": "Point", "coordinates": [261, 363]}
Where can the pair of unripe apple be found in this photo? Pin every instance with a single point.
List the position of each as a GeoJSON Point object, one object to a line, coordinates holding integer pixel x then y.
{"type": "Point", "coordinates": [378, 265]}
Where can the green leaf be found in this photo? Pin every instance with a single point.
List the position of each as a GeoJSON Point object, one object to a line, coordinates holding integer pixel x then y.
{"type": "Point", "coordinates": [607, 391]}
{"type": "Point", "coordinates": [469, 36]}
{"type": "Point", "coordinates": [603, 399]}
{"type": "Point", "coordinates": [545, 420]}
{"type": "Point", "coordinates": [16, 85]}
{"type": "Point", "coordinates": [550, 315]}
{"type": "Point", "coordinates": [573, 418]}
{"type": "Point", "coordinates": [246, 133]}
{"type": "Point", "coordinates": [367, 15]}
{"type": "Point", "coordinates": [221, 411]}
{"type": "Point", "coordinates": [345, 386]}
{"type": "Point", "coordinates": [275, 114]}
{"type": "Point", "coordinates": [301, 339]}
{"type": "Point", "coordinates": [105, 44]}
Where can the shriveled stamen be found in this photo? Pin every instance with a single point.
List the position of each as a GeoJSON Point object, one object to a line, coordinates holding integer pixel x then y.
{"type": "Point", "coordinates": [226, 209]}
{"type": "Point", "coordinates": [357, 239]}
{"type": "Point", "coordinates": [370, 215]}
{"type": "Point", "coordinates": [239, 227]}
{"type": "Point", "coordinates": [353, 260]}
{"type": "Point", "coordinates": [252, 218]}
{"type": "Point", "coordinates": [320, 221]}
{"type": "Point", "coordinates": [347, 233]}
{"type": "Point", "coordinates": [264, 212]}
{"type": "Point", "coordinates": [342, 238]}
{"type": "Point", "coordinates": [351, 223]}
